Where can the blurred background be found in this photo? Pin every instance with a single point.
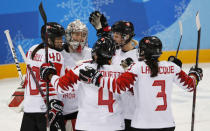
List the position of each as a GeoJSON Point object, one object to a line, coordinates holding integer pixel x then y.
{"type": "Point", "coordinates": [150, 17]}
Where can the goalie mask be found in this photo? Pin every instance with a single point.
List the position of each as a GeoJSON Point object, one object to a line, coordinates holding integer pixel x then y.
{"type": "Point", "coordinates": [104, 49]}
{"type": "Point", "coordinates": [54, 31]}
{"type": "Point", "coordinates": [76, 35]}
{"type": "Point", "coordinates": [150, 48]}
{"type": "Point", "coordinates": [125, 29]}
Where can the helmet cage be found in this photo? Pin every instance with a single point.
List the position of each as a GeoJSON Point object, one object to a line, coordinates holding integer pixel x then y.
{"type": "Point", "coordinates": [76, 26]}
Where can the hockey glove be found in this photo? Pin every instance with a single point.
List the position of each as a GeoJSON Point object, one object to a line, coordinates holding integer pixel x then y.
{"type": "Point", "coordinates": [126, 63]}
{"type": "Point", "coordinates": [90, 75]}
{"type": "Point", "coordinates": [46, 70]}
{"type": "Point", "coordinates": [98, 20]}
{"type": "Point", "coordinates": [175, 60]}
{"type": "Point", "coordinates": [55, 112]}
{"type": "Point", "coordinates": [197, 73]}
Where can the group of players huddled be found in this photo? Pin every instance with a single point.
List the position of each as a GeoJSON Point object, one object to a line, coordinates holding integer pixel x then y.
{"type": "Point", "coordinates": [118, 85]}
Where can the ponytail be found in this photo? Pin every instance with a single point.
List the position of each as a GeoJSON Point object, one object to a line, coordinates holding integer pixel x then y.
{"type": "Point", "coordinates": [153, 65]}
{"type": "Point", "coordinates": [40, 46]}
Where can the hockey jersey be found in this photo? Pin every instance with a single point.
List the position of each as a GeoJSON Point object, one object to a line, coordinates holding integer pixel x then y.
{"type": "Point", "coordinates": [70, 100]}
{"type": "Point", "coordinates": [99, 109]}
{"type": "Point", "coordinates": [33, 101]}
{"type": "Point", "coordinates": [153, 94]}
{"type": "Point", "coordinates": [128, 103]}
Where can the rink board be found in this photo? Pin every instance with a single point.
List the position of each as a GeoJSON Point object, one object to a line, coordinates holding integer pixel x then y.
{"type": "Point", "coordinates": [187, 56]}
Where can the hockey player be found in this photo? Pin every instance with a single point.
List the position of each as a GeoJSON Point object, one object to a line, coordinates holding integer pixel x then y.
{"type": "Point", "coordinates": [34, 117]}
{"type": "Point", "coordinates": [153, 87]}
{"type": "Point", "coordinates": [99, 109]}
{"type": "Point", "coordinates": [122, 32]}
{"type": "Point", "coordinates": [75, 50]}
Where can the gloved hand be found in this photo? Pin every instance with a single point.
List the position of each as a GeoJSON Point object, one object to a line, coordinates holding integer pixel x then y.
{"type": "Point", "coordinates": [98, 20]}
{"type": "Point", "coordinates": [126, 63]}
{"type": "Point", "coordinates": [175, 60]}
{"type": "Point", "coordinates": [55, 112]}
{"type": "Point", "coordinates": [90, 75]}
{"type": "Point", "coordinates": [197, 73]}
{"type": "Point", "coordinates": [46, 70]}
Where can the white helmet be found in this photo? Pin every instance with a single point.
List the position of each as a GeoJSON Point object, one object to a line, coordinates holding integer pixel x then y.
{"type": "Point", "coordinates": [76, 26]}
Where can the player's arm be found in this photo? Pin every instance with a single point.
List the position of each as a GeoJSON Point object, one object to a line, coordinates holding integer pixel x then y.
{"type": "Point", "coordinates": [115, 85]}
{"type": "Point", "coordinates": [62, 84]}
{"type": "Point", "coordinates": [100, 23]}
{"type": "Point", "coordinates": [189, 81]}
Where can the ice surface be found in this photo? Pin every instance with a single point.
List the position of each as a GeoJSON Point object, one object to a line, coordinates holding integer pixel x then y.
{"type": "Point", "coordinates": [181, 104]}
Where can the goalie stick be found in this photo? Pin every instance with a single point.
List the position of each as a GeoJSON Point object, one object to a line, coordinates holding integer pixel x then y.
{"type": "Point", "coordinates": [196, 66]}
{"type": "Point", "coordinates": [17, 98]}
{"type": "Point", "coordinates": [180, 40]}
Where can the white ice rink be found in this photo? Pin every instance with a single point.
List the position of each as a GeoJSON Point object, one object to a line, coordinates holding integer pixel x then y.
{"type": "Point", "coordinates": [181, 105]}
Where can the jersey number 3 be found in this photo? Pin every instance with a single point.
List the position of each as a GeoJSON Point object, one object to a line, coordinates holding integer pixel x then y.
{"type": "Point", "coordinates": [162, 94]}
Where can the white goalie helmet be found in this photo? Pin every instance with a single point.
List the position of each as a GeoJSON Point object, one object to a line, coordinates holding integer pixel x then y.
{"type": "Point", "coordinates": [76, 35]}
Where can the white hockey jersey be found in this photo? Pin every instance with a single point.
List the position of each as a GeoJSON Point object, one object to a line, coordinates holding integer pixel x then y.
{"type": "Point", "coordinates": [70, 100]}
{"type": "Point", "coordinates": [128, 103]}
{"type": "Point", "coordinates": [99, 109]}
{"type": "Point", "coordinates": [33, 101]}
{"type": "Point", "coordinates": [153, 94]}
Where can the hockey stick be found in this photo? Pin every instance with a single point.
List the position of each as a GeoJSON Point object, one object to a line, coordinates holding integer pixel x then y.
{"type": "Point", "coordinates": [17, 98]}
{"type": "Point", "coordinates": [196, 66]}
{"type": "Point", "coordinates": [44, 18]}
{"type": "Point", "coordinates": [30, 70]}
{"type": "Point", "coordinates": [180, 40]}
{"type": "Point", "coordinates": [14, 54]}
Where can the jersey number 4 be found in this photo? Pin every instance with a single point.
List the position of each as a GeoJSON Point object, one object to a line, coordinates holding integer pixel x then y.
{"type": "Point", "coordinates": [108, 102]}
{"type": "Point", "coordinates": [162, 94]}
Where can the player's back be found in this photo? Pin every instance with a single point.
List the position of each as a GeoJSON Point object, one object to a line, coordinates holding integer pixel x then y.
{"type": "Point", "coordinates": [33, 102]}
{"type": "Point", "coordinates": [153, 95]}
{"type": "Point", "coordinates": [99, 109]}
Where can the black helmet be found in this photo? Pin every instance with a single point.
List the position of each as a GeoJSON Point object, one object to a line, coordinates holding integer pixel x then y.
{"type": "Point", "coordinates": [150, 48]}
{"type": "Point", "coordinates": [124, 28]}
{"type": "Point", "coordinates": [104, 49]}
{"type": "Point", "coordinates": [53, 30]}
